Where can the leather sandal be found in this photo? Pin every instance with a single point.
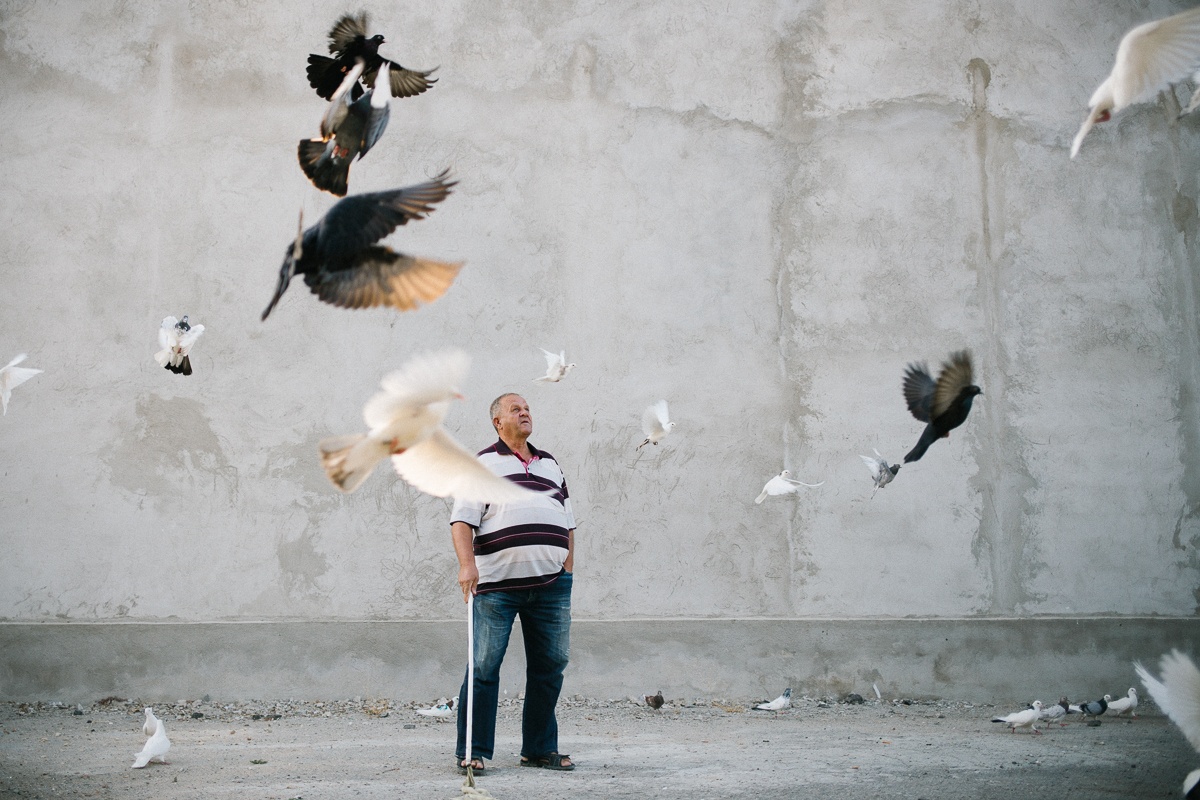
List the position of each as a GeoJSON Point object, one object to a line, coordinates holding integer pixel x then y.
{"type": "Point", "coordinates": [478, 770]}
{"type": "Point", "coordinates": [550, 761]}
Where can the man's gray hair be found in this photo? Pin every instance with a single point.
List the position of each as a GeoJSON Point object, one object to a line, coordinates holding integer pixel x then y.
{"type": "Point", "coordinates": [494, 409]}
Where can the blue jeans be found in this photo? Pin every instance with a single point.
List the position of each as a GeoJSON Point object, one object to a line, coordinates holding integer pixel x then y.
{"type": "Point", "coordinates": [545, 615]}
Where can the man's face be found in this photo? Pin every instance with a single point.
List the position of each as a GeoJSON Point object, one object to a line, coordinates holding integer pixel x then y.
{"type": "Point", "coordinates": [514, 421]}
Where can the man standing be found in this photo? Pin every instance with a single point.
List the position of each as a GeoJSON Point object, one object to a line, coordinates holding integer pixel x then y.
{"type": "Point", "coordinates": [516, 560]}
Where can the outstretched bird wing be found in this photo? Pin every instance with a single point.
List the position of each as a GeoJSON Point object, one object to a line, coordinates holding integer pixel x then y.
{"type": "Point", "coordinates": [442, 467]}
{"type": "Point", "coordinates": [1153, 56]}
{"type": "Point", "coordinates": [918, 391]}
{"type": "Point", "coordinates": [404, 82]}
{"type": "Point", "coordinates": [380, 276]}
{"type": "Point", "coordinates": [378, 113]}
{"type": "Point", "coordinates": [955, 376]}
{"type": "Point", "coordinates": [1178, 694]}
{"type": "Point", "coordinates": [363, 219]}
{"type": "Point", "coordinates": [655, 418]}
{"type": "Point", "coordinates": [339, 104]}
{"type": "Point", "coordinates": [346, 30]}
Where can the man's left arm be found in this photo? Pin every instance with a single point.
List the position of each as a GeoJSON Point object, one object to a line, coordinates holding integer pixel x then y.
{"type": "Point", "coordinates": [569, 564]}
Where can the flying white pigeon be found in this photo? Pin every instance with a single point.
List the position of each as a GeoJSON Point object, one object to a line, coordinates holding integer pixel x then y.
{"type": "Point", "coordinates": [1056, 712]}
{"type": "Point", "coordinates": [12, 376]}
{"type": "Point", "coordinates": [783, 484]}
{"type": "Point", "coordinates": [1124, 704]}
{"type": "Point", "coordinates": [656, 423]}
{"type": "Point", "coordinates": [176, 338]}
{"type": "Point", "coordinates": [1023, 719]}
{"type": "Point", "coordinates": [442, 709]}
{"type": "Point", "coordinates": [881, 472]}
{"type": "Point", "coordinates": [1150, 58]}
{"type": "Point", "coordinates": [151, 723]}
{"type": "Point", "coordinates": [405, 422]}
{"type": "Point", "coordinates": [779, 703]}
{"type": "Point", "coordinates": [1178, 694]}
{"type": "Point", "coordinates": [156, 746]}
{"type": "Point", "coordinates": [556, 367]}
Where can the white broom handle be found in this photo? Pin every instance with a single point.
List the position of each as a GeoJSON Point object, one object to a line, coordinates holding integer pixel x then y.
{"type": "Point", "coordinates": [470, 673]}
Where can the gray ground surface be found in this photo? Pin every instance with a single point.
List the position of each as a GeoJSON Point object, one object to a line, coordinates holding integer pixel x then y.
{"type": "Point", "coordinates": [703, 749]}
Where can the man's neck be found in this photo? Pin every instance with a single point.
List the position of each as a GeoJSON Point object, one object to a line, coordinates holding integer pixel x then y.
{"type": "Point", "coordinates": [519, 447]}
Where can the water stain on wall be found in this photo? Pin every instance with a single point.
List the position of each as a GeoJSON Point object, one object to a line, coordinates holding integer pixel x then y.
{"type": "Point", "coordinates": [170, 448]}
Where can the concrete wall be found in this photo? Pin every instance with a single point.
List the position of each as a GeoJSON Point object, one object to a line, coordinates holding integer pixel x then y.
{"type": "Point", "coordinates": [759, 211]}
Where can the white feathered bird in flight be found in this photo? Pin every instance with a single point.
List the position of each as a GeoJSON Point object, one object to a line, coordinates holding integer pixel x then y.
{"type": "Point", "coordinates": [1150, 58]}
{"type": "Point", "coordinates": [405, 422]}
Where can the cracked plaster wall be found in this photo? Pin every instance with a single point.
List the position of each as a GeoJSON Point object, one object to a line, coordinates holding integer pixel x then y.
{"type": "Point", "coordinates": [760, 211]}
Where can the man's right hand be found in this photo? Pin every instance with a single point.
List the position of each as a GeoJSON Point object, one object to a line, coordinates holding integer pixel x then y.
{"type": "Point", "coordinates": [468, 578]}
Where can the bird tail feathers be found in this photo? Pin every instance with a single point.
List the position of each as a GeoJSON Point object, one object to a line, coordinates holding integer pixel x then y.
{"type": "Point", "coordinates": [321, 76]}
{"type": "Point", "coordinates": [928, 437]}
{"type": "Point", "coordinates": [348, 460]}
{"type": "Point", "coordinates": [327, 172]}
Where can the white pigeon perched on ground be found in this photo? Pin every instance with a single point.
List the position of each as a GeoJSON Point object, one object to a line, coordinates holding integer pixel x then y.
{"type": "Point", "coordinates": [151, 723]}
{"type": "Point", "coordinates": [1023, 719]}
{"type": "Point", "coordinates": [156, 746]}
{"type": "Point", "coordinates": [12, 376]}
{"type": "Point", "coordinates": [442, 709]}
{"type": "Point", "coordinates": [656, 424]}
{"type": "Point", "coordinates": [405, 422]}
{"type": "Point", "coordinates": [556, 367]}
{"type": "Point", "coordinates": [779, 703]}
{"type": "Point", "coordinates": [176, 338]}
{"type": "Point", "coordinates": [1150, 58]}
{"type": "Point", "coordinates": [1124, 704]}
{"type": "Point", "coordinates": [1178, 695]}
{"type": "Point", "coordinates": [783, 484]}
{"type": "Point", "coordinates": [881, 472]}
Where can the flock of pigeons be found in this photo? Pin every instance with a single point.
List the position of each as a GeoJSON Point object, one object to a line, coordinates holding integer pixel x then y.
{"type": "Point", "coordinates": [1177, 693]}
{"type": "Point", "coordinates": [1037, 712]}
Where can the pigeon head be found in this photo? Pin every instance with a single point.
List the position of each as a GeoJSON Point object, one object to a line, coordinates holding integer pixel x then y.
{"type": "Point", "coordinates": [183, 324]}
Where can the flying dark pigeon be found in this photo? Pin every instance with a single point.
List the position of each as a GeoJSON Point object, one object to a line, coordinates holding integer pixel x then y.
{"type": "Point", "coordinates": [348, 129]}
{"type": "Point", "coordinates": [344, 267]}
{"type": "Point", "coordinates": [944, 404]}
{"type": "Point", "coordinates": [348, 41]}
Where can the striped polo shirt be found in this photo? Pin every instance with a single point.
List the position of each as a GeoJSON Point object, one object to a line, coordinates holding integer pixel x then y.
{"type": "Point", "coordinates": [520, 545]}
